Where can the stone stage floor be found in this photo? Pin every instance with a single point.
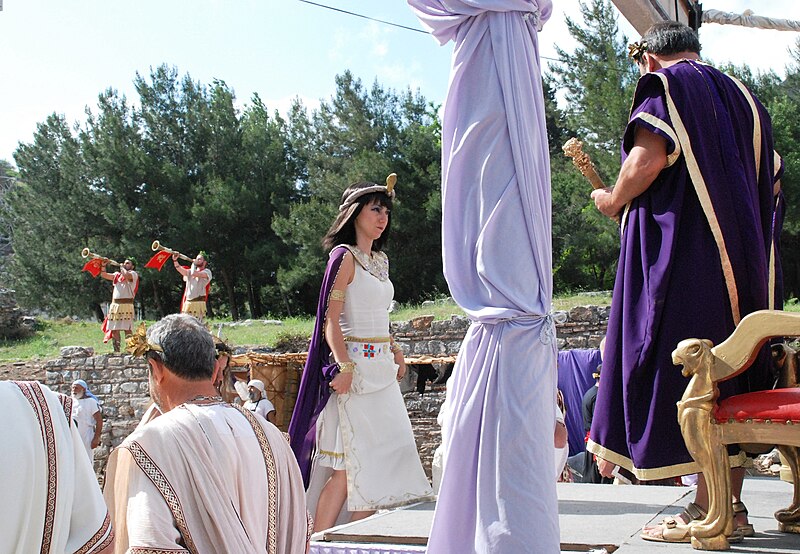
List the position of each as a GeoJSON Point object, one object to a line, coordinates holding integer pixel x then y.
{"type": "Point", "coordinates": [594, 518]}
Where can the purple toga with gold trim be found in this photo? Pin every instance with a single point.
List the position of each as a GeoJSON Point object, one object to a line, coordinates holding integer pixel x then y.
{"type": "Point", "coordinates": [699, 251]}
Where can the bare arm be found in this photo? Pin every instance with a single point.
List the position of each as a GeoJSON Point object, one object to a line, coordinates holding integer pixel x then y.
{"type": "Point", "coordinates": [105, 275]}
{"type": "Point", "coordinates": [645, 161]}
{"type": "Point", "coordinates": [399, 358]}
{"type": "Point", "coordinates": [98, 428]}
{"type": "Point", "coordinates": [333, 331]}
{"type": "Point", "coordinates": [178, 267]}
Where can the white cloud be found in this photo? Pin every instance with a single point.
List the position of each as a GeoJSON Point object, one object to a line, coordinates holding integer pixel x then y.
{"type": "Point", "coordinates": [377, 36]}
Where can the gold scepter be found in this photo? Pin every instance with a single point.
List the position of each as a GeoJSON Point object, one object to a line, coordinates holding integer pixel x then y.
{"type": "Point", "coordinates": [573, 148]}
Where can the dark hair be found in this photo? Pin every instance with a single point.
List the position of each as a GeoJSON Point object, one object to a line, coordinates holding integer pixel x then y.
{"type": "Point", "coordinates": [670, 37]}
{"type": "Point", "coordinates": [188, 348]}
{"type": "Point", "coordinates": [343, 229]}
{"type": "Point", "coordinates": [221, 347]}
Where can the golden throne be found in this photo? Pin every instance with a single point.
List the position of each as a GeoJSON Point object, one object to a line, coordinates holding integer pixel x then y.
{"type": "Point", "coordinates": [769, 417]}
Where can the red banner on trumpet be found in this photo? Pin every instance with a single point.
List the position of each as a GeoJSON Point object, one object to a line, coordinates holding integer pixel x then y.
{"type": "Point", "coordinates": [158, 261]}
{"type": "Point", "coordinates": [94, 267]}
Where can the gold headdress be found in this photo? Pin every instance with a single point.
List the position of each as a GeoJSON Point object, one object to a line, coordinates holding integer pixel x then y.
{"type": "Point", "coordinates": [137, 343]}
{"type": "Point", "coordinates": [636, 50]}
{"type": "Point", "coordinates": [388, 189]}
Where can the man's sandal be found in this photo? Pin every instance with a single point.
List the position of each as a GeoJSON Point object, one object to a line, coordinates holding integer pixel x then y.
{"type": "Point", "coordinates": [744, 529]}
{"type": "Point", "coordinates": [674, 529]}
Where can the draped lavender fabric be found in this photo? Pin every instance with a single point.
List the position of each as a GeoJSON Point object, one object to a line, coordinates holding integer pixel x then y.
{"type": "Point", "coordinates": [497, 492]}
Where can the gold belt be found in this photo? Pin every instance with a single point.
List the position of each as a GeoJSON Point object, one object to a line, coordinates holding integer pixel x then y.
{"type": "Point", "coordinates": [122, 300]}
{"type": "Point", "coordinates": [198, 299]}
{"type": "Point", "coordinates": [367, 339]}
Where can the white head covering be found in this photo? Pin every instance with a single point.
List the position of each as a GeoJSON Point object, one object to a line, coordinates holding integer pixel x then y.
{"type": "Point", "coordinates": [257, 383]}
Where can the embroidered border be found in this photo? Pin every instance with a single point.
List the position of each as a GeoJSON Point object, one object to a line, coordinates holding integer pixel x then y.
{"type": "Point", "coordinates": [66, 404]}
{"type": "Point", "coordinates": [144, 550]}
{"type": "Point", "coordinates": [98, 542]}
{"type": "Point", "coordinates": [272, 480]}
{"type": "Point", "coordinates": [154, 473]}
{"type": "Point", "coordinates": [662, 126]}
{"type": "Point", "coordinates": [35, 397]}
{"type": "Point", "coordinates": [756, 123]}
{"type": "Point", "coordinates": [705, 200]}
{"type": "Point", "coordinates": [649, 474]}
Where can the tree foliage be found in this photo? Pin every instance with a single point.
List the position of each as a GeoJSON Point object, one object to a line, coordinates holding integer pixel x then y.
{"type": "Point", "coordinates": [365, 134]}
{"type": "Point", "coordinates": [597, 81]}
{"type": "Point", "coordinates": [190, 168]}
{"type": "Point", "coordinates": [189, 165]}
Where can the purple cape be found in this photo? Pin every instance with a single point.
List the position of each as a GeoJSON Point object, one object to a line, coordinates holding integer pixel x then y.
{"type": "Point", "coordinates": [694, 259]}
{"type": "Point", "coordinates": [318, 372]}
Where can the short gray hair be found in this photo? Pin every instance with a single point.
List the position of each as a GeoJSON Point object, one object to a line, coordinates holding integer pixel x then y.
{"type": "Point", "coordinates": [670, 37]}
{"type": "Point", "coordinates": [188, 348]}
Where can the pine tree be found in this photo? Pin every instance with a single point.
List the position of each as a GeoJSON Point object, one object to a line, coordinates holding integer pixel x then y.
{"type": "Point", "coordinates": [597, 81]}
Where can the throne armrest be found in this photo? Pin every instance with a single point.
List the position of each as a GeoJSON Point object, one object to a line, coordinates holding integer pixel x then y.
{"type": "Point", "coordinates": [737, 352]}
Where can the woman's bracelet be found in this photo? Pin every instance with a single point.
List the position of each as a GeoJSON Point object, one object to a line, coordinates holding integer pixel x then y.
{"type": "Point", "coordinates": [346, 367]}
{"type": "Point", "coordinates": [394, 347]}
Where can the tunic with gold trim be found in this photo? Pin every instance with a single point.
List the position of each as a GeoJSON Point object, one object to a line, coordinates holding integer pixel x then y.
{"type": "Point", "coordinates": [699, 251]}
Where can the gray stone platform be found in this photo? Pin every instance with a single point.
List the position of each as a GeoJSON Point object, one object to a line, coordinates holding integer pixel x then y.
{"type": "Point", "coordinates": [597, 518]}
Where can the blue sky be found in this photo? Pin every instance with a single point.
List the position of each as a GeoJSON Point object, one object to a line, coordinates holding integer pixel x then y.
{"type": "Point", "coordinates": [57, 56]}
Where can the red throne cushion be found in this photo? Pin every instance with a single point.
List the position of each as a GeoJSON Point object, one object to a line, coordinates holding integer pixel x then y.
{"type": "Point", "coordinates": [779, 406]}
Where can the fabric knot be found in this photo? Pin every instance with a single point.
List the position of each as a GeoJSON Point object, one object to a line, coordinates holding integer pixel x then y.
{"type": "Point", "coordinates": [533, 17]}
{"type": "Point", "coordinates": [548, 332]}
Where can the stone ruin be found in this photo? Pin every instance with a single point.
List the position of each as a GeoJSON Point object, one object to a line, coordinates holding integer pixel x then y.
{"type": "Point", "coordinates": [14, 323]}
{"type": "Point", "coordinates": [120, 381]}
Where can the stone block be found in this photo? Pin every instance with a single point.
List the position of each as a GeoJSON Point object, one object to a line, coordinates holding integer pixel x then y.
{"type": "Point", "coordinates": [594, 341]}
{"type": "Point", "coordinates": [583, 314]}
{"type": "Point", "coordinates": [437, 347]}
{"type": "Point", "coordinates": [76, 351]}
{"type": "Point", "coordinates": [104, 388]}
{"type": "Point", "coordinates": [53, 378]}
{"type": "Point", "coordinates": [453, 347]}
{"type": "Point", "coordinates": [115, 361]}
{"type": "Point", "coordinates": [130, 388]}
{"type": "Point", "coordinates": [400, 327]}
{"type": "Point", "coordinates": [576, 342]}
{"type": "Point", "coordinates": [422, 323]}
{"type": "Point", "coordinates": [421, 348]}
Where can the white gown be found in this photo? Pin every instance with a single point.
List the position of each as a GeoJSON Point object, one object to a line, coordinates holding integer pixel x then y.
{"type": "Point", "coordinates": [367, 431]}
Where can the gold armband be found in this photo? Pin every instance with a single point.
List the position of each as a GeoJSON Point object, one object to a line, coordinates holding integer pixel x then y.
{"type": "Point", "coordinates": [337, 294]}
{"type": "Point", "coordinates": [396, 347]}
{"type": "Point", "coordinates": [347, 367]}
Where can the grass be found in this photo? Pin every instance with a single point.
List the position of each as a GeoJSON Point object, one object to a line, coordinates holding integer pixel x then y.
{"type": "Point", "coordinates": [51, 335]}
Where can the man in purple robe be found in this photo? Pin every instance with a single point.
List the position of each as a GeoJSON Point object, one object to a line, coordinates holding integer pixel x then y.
{"type": "Point", "coordinates": [701, 211]}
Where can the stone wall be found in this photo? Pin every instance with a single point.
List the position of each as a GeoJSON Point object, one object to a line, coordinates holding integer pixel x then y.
{"type": "Point", "coordinates": [580, 327]}
{"type": "Point", "coordinates": [120, 382]}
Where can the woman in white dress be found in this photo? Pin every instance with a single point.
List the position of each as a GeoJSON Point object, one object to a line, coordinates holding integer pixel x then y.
{"type": "Point", "coordinates": [363, 457]}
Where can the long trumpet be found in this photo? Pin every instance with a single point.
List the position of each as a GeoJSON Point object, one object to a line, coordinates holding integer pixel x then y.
{"type": "Point", "coordinates": [156, 246]}
{"type": "Point", "coordinates": [86, 253]}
